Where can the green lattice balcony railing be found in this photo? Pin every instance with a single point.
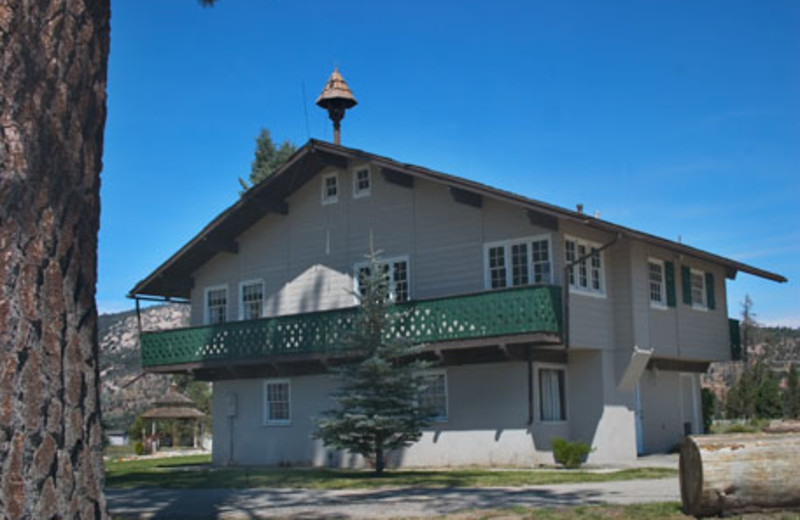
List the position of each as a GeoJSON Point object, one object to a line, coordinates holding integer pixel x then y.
{"type": "Point", "coordinates": [488, 314]}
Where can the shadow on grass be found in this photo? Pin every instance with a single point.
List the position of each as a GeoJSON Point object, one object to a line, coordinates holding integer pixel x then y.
{"type": "Point", "coordinates": [174, 476]}
{"type": "Point", "coordinates": [307, 504]}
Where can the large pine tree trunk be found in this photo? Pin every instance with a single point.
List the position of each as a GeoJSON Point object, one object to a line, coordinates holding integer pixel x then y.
{"type": "Point", "coordinates": [52, 113]}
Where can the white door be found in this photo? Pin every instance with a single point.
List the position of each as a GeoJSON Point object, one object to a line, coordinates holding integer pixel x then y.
{"type": "Point", "coordinates": [689, 420]}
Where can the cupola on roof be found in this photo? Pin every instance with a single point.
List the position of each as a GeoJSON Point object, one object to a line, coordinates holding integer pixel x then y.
{"type": "Point", "coordinates": [336, 98]}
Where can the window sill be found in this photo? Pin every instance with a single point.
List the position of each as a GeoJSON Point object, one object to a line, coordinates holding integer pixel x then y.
{"type": "Point", "coordinates": [552, 423]}
{"type": "Point", "coordinates": [586, 292]}
{"type": "Point", "coordinates": [278, 423]}
{"type": "Point", "coordinates": [701, 308]}
{"type": "Point", "coordinates": [659, 306]}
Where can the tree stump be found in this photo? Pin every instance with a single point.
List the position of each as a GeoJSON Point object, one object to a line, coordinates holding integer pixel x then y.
{"type": "Point", "coordinates": [724, 474]}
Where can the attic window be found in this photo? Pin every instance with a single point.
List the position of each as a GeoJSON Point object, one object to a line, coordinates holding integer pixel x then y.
{"type": "Point", "coordinates": [362, 184]}
{"type": "Point", "coordinates": [330, 189]}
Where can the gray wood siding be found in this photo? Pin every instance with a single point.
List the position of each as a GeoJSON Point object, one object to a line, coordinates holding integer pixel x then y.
{"type": "Point", "coordinates": [591, 316]}
{"type": "Point", "coordinates": [306, 259]}
{"type": "Point", "coordinates": [681, 331]}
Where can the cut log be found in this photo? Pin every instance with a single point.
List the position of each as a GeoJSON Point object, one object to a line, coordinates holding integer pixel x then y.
{"type": "Point", "coordinates": [725, 474]}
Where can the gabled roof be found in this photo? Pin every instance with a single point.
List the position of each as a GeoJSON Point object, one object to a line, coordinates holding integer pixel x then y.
{"type": "Point", "coordinates": [172, 279]}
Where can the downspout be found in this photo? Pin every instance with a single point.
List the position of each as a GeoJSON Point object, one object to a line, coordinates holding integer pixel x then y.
{"type": "Point", "coordinates": [567, 268]}
{"type": "Point", "coordinates": [530, 386]}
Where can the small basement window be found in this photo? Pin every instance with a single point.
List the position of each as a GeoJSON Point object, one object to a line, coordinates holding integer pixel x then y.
{"type": "Point", "coordinates": [277, 402]}
{"type": "Point", "coordinates": [552, 401]}
{"type": "Point", "coordinates": [330, 189]}
{"type": "Point", "coordinates": [433, 399]}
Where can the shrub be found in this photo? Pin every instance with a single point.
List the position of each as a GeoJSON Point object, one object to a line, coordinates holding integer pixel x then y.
{"type": "Point", "coordinates": [569, 454]}
{"type": "Point", "coordinates": [138, 448]}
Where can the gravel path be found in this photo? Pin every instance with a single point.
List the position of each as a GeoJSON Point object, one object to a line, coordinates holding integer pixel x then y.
{"type": "Point", "coordinates": [382, 503]}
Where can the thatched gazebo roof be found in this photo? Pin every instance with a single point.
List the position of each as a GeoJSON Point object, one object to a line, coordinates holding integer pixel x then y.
{"type": "Point", "coordinates": [174, 405]}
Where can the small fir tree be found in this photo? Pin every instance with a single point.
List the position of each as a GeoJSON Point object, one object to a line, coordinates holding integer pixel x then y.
{"type": "Point", "coordinates": [379, 392]}
{"type": "Point", "coordinates": [791, 394]}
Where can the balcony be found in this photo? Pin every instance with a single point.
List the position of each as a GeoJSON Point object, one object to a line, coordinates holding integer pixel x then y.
{"type": "Point", "coordinates": [526, 313]}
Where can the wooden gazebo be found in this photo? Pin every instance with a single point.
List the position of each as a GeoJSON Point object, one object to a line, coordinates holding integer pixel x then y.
{"type": "Point", "coordinates": [175, 405]}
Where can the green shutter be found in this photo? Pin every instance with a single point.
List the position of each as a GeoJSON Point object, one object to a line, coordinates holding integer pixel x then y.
{"type": "Point", "coordinates": [669, 277]}
{"type": "Point", "coordinates": [710, 301]}
{"type": "Point", "coordinates": [686, 281]}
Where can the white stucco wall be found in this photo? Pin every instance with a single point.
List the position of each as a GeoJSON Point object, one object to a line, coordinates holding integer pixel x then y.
{"type": "Point", "coordinates": [666, 406]}
{"type": "Point", "coordinates": [487, 420]}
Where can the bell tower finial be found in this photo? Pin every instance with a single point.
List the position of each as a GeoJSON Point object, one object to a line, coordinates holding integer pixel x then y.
{"type": "Point", "coordinates": [336, 97]}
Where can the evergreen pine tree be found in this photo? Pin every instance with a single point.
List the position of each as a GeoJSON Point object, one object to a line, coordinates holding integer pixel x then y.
{"type": "Point", "coordinates": [268, 158]}
{"type": "Point", "coordinates": [769, 402]}
{"type": "Point", "coordinates": [379, 392]}
{"type": "Point", "coordinates": [791, 394]}
{"type": "Point", "coordinates": [741, 399]}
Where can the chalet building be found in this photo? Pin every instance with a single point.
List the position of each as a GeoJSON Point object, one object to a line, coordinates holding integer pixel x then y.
{"type": "Point", "coordinates": [544, 322]}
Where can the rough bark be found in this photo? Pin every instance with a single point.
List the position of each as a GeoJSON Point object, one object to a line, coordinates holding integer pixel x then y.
{"type": "Point", "coordinates": [54, 56]}
{"type": "Point", "coordinates": [726, 474]}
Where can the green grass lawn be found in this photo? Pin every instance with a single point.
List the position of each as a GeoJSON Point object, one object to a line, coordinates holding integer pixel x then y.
{"type": "Point", "coordinates": [193, 472]}
{"type": "Point", "coordinates": [651, 511]}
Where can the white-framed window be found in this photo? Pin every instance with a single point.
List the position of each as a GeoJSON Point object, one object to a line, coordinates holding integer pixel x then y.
{"type": "Point", "coordinates": [552, 394]}
{"type": "Point", "coordinates": [251, 300]}
{"type": "Point", "coordinates": [362, 182]}
{"type": "Point", "coordinates": [513, 263]}
{"type": "Point", "coordinates": [656, 285]}
{"type": "Point", "coordinates": [330, 188]}
{"type": "Point", "coordinates": [587, 276]}
{"type": "Point", "coordinates": [397, 275]}
{"type": "Point", "coordinates": [698, 285]}
{"type": "Point", "coordinates": [216, 304]}
{"type": "Point", "coordinates": [433, 398]}
{"type": "Point", "coordinates": [277, 402]}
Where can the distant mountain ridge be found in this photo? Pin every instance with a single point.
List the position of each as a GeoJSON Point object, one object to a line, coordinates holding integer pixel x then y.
{"type": "Point", "coordinates": [120, 362]}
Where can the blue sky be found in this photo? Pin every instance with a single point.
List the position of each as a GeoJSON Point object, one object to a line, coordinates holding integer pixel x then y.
{"type": "Point", "coordinates": [676, 118]}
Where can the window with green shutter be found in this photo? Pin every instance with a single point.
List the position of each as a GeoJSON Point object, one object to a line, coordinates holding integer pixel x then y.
{"type": "Point", "coordinates": [669, 274]}
{"type": "Point", "coordinates": [686, 282]}
{"type": "Point", "coordinates": [710, 299]}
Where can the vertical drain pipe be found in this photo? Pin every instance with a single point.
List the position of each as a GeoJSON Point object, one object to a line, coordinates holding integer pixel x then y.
{"type": "Point", "coordinates": [530, 386]}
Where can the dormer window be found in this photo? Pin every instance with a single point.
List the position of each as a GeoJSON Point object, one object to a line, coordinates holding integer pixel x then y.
{"type": "Point", "coordinates": [330, 189]}
{"type": "Point", "coordinates": [362, 183]}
